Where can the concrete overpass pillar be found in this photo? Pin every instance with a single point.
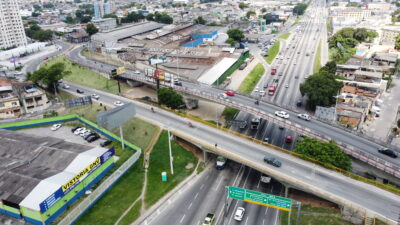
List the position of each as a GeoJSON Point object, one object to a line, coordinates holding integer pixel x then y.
{"type": "Point", "coordinates": [133, 83]}
{"type": "Point", "coordinates": [286, 190]}
{"type": "Point", "coordinates": [191, 103]}
{"type": "Point", "coordinates": [205, 157]}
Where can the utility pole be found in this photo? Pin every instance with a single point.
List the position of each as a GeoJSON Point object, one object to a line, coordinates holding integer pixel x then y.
{"type": "Point", "coordinates": [170, 153]}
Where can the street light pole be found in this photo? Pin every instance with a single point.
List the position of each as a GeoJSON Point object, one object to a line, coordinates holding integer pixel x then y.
{"type": "Point", "coordinates": [170, 153]}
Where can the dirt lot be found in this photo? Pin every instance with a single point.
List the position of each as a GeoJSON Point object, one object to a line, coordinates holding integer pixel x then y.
{"type": "Point", "coordinates": [64, 133]}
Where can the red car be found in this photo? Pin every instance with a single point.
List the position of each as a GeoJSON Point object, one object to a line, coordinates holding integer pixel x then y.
{"type": "Point", "coordinates": [229, 93]}
{"type": "Point", "coordinates": [45, 58]}
{"type": "Point", "coordinates": [288, 139]}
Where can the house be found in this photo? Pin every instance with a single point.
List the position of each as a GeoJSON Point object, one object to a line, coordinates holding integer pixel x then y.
{"type": "Point", "coordinates": [9, 102]}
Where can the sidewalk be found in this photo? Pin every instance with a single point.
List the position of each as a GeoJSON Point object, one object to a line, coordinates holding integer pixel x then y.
{"type": "Point", "coordinates": [379, 127]}
{"type": "Point", "coordinates": [239, 75]}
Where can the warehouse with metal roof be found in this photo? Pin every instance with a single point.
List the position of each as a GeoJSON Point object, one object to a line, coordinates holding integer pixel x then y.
{"type": "Point", "coordinates": [41, 176]}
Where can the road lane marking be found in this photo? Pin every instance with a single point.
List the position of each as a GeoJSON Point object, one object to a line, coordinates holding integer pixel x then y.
{"type": "Point", "coordinates": [245, 181]}
{"type": "Point", "coordinates": [263, 221]}
{"type": "Point", "coordinates": [183, 217]}
{"type": "Point", "coordinates": [190, 205]}
{"type": "Point", "coordinates": [201, 187]}
{"type": "Point", "coordinates": [258, 185]}
{"type": "Point", "coordinates": [220, 180]}
{"type": "Point", "coordinates": [233, 212]}
{"type": "Point", "coordinates": [247, 218]}
{"type": "Point", "coordinates": [197, 194]}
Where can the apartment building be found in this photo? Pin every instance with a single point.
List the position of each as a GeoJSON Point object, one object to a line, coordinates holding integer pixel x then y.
{"type": "Point", "coordinates": [33, 100]}
{"type": "Point", "coordinates": [389, 34]}
{"type": "Point", "coordinates": [101, 9]}
{"type": "Point", "coordinates": [9, 103]}
{"type": "Point", "coordinates": [12, 32]}
{"type": "Point", "coordinates": [350, 12]}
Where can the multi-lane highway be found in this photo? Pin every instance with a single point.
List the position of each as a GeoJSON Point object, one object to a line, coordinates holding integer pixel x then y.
{"type": "Point", "coordinates": [304, 175]}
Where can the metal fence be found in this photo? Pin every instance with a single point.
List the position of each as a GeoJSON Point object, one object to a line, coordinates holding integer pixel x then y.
{"type": "Point", "coordinates": [79, 209]}
{"type": "Point", "coordinates": [351, 150]}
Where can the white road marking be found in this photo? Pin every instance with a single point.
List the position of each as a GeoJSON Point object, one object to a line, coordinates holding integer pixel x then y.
{"type": "Point", "coordinates": [247, 218]}
{"type": "Point", "coordinates": [263, 221]}
{"type": "Point", "coordinates": [190, 205]}
{"type": "Point", "coordinates": [201, 187]}
{"type": "Point", "coordinates": [183, 217]}
{"type": "Point", "coordinates": [196, 195]}
{"type": "Point", "coordinates": [220, 180]}
{"type": "Point", "coordinates": [258, 185]}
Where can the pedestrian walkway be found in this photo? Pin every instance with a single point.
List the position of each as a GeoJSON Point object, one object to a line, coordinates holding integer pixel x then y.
{"type": "Point", "coordinates": [238, 76]}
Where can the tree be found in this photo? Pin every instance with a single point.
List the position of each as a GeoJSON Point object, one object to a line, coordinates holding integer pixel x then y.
{"type": "Point", "coordinates": [37, 8]}
{"type": "Point", "coordinates": [325, 152]}
{"type": "Point", "coordinates": [35, 14]}
{"type": "Point", "coordinates": [300, 8]}
{"type": "Point", "coordinates": [163, 18]}
{"type": "Point", "coordinates": [200, 20]}
{"type": "Point", "coordinates": [150, 17]}
{"type": "Point", "coordinates": [132, 17]}
{"type": "Point", "coordinates": [43, 35]}
{"type": "Point", "coordinates": [320, 89]}
{"type": "Point", "coordinates": [69, 20]}
{"type": "Point", "coordinates": [397, 43]}
{"type": "Point", "coordinates": [231, 41]}
{"type": "Point", "coordinates": [249, 13]}
{"type": "Point", "coordinates": [352, 4]}
{"type": "Point", "coordinates": [263, 10]}
{"type": "Point", "coordinates": [243, 5]}
{"type": "Point", "coordinates": [49, 76]}
{"type": "Point", "coordinates": [170, 98]}
{"type": "Point", "coordinates": [235, 34]}
{"type": "Point", "coordinates": [91, 29]}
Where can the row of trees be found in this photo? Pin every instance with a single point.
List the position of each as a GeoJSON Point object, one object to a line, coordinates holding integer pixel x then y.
{"type": "Point", "coordinates": [325, 152]}
{"type": "Point", "coordinates": [48, 77]}
{"type": "Point", "coordinates": [235, 36]}
{"type": "Point", "coordinates": [37, 33]}
{"type": "Point", "coordinates": [157, 17]}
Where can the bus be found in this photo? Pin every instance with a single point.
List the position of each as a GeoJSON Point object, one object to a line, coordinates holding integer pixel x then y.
{"type": "Point", "coordinates": [271, 90]}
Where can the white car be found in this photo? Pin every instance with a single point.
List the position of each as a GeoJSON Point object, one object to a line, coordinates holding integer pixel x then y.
{"type": "Point", "coordinates": [84, 133]}
{"type": "Point", "coordinates": [286, 85]}
{"type": "Point", "coordinates": [282, 114]}
{"type": "Point", "coordinates": [65, 86]}
{"type": "Point", "coordinates": [304, 116]}
{"type": "Point", "coordinates": [137, 72]}
{"type": "Point", "coordinates": [56, 126]}
{"type": "Point", "coordinates": [239, 213]}
{"type": "Point", "coordinates": [95, 96]}
{"type": "Point", "coordinates": [78, 131]}
{"type": "Point", "coordinates": [118, 103]}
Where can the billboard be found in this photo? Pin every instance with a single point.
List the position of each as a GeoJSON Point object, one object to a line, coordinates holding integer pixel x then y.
{"type": "Point", "coordinates": [77, 179]}
{"type": "Point", "coordinates": [118, 71]}
{"type": "Point", "coordinates": [117, 116]}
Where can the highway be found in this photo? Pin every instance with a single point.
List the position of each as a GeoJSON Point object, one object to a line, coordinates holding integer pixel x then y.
{"type": "Point", "coordinates": [339, 135]}
{"type": "Point", "coordinates": [304, 175]}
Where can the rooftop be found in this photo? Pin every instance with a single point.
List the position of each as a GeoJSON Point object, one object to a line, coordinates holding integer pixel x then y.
{"type": "Point", "coordinates": [126, 31]}
{"type": "Point", "coordinates": [25, 160]}
{"type": "Point", "coordinates": [390, 57]}
{"type": "Point", "coordinates": [368, 73]}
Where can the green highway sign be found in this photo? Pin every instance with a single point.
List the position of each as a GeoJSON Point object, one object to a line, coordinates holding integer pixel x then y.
{"type": "Point", "coordinates": [260, 198]}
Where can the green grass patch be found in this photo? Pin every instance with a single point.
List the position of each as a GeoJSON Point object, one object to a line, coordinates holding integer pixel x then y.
{"type": "Point", "coordinates": [86, 77]}
{"type": "Point", "coordinates": [252, 79]}
{"type": "Point", "coordinates": [272, 52]}
{"type": "Point", "coordinates": [201, 167]}
{"type": "Point", "coordinates": [296, 21]}
{"type": "Point", "coordinates": [321, 216]}
{"type": "Point", "coordinates": [284, 36]}
{"type": "Point", "coordinates": [132, 215]}
{"type": "Point", "coordinates": [317, 59]}
{"type": "Point", "coordinates": [328, 25]}
{"type": "Point", "coordinates": [230, 113]}
{"type": "Point", "coordinates": [159, 162]}
{"type": "Point", "coordinates": [117, 199]}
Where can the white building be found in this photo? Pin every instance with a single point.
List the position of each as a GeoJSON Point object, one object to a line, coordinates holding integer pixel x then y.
{"type": "Point", "coordinates": [12, 32]}
{"type": "Point", "coordinates": [389, 34]}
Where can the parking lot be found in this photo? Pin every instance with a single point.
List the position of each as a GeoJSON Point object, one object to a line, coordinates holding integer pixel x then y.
{"type": "Point", "coordinates": [64, 133]}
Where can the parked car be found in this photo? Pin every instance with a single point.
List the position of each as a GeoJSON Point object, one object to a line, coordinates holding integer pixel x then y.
{"type": "Point", "coordinates": [282, 114]}
{"type": "Point", "coordinates": [65, 86]}
{"type": "Point", "coordinates": [74, 129]}
{"type": "Point", "coordinates": [79, 91]}
{"type": "Point", "coordinates": [118, 103]}
{"type": "Point", "coordinates": [289, 139]}
{"type": "Point", "coordinates": [304, 116]}
{"type": "Point", "coordinates": [389, 152]}
{"type": "Point", "coordinates": [105, 143]}
{"type": "Point", "coordinates": [56, 126]}
{"type": "Point", "coordinates": [78, 131]}
{"type": "Point", "coordinates": [230, 93]}
{"type": "Point", "coordinates": [239, 213]}
{"type": "Point", "coordinates": [87, 135]}
{"type": "Point", "coordinates": [86, 132]}
{"type": "Point", "coordinates": [95, 96]}
{"type": "Point", "coordinates": [272, 161]}
{"type": "Point", "coordinates": [299, 103]}
{"type": "Point", "coordinates": [93, 138]}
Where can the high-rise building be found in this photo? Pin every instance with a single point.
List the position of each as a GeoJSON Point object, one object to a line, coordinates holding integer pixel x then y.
{"type": "Point", "coordinates": [101, 9]}
{"type": "Point", "coordinates": [12, 31]}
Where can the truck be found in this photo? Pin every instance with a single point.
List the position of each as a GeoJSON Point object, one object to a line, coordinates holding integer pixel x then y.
{"type": "Point", "coordinates": [220, 163]}
{"type": "Point", "coordinates": [273, 71]}
{"type": "Point", "coordinates": [255, 122]}
{"type": "Point", "coordinates": [272, 88]}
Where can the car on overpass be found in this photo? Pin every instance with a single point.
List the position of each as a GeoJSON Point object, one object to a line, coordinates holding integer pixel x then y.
{"type": "Point", "coordinates": [282, 114]}
{"type": "Point", "coordinates": [389, 152]}
{"type": "Point", "coordinates": [304, 116]}
{"type": "Point", "coordinates": [209, 219]}
{"type": "Point", "coordinates": [272, 161]}
{"type": "Point", "coordinates": [230, 93]}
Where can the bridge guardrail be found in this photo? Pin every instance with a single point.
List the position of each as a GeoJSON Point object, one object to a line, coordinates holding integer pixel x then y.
{"type": "Point", "coordinates": [351, 150]}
